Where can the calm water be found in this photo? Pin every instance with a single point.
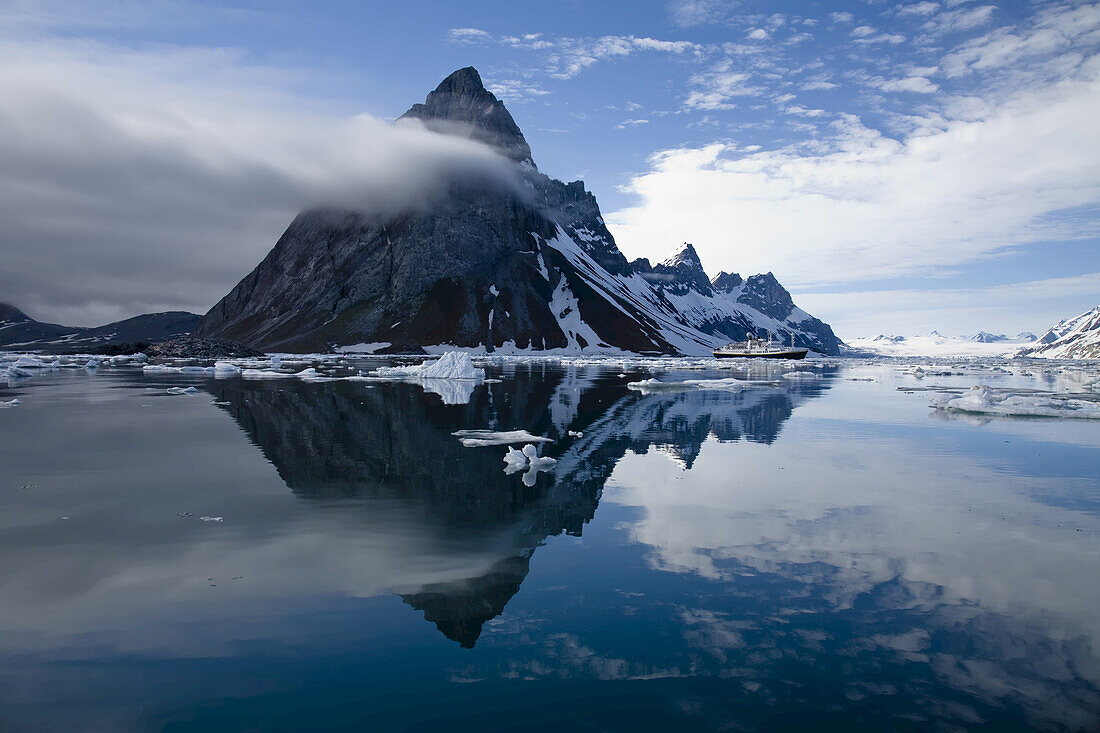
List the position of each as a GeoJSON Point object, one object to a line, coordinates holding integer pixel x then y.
{"type": "Point", "coordinates": [827, 554]}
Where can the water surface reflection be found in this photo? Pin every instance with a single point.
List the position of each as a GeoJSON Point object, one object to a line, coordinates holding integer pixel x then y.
{"type": "Point", "coordinates": [815, 552]}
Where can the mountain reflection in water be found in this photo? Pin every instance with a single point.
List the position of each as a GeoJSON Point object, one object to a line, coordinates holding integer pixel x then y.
{"type": "Point", "coordinates": [395, 446]}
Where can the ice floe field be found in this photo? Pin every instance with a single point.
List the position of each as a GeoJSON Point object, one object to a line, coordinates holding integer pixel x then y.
{"type": "Point", "coordinates": [993, 386]}
{"type": "Point", "coordinates": [912, 539]}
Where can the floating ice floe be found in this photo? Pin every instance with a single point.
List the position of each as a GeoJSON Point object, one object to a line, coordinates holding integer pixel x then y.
{"type": "Point", "coordinates": [10, 403]}
{"type": "Point", "coordinates": [211, 519]}
{"type": "Point", "coordinates": [181, 390]}
{"type": "Point", "coordinates": [265, 374]}
{"type": "Point", "coordinates": [159, 369]}
{"type": "Point", "coordinates": [801, 376]}
{"type": "Point", "coordinates": [728, 384]}
{"type": "Point", "coordinates": [478, 438]}
{"type": "Point", "coordinates": [985, 401]}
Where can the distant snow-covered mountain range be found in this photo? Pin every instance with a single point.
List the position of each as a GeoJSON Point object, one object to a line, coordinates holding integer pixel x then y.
{"type": "Point", "coordinates": [1071, 338]}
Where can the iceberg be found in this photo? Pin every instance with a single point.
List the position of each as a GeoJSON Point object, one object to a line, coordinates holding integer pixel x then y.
{"type": "Point", "coordinates": [452, 365]}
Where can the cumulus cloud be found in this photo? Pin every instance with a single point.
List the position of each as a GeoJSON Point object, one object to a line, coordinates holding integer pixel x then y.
{"type": "Point", "coordinates": [135, 181]}
{"type": "Point", "coordinates": [967, 183]}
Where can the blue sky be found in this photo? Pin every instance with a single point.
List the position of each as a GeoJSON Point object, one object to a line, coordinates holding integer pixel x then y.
{"type": "Point", "coordinates": [901, 167]}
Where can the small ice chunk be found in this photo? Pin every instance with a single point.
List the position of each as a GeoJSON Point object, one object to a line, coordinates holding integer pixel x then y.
{"type": "Point", "coordinates": [574, 433]}
{"type": "Point", "coordinates": [312, 375]}
{"type": "Point", "coordinates": [10, 403]}
{"type": "Point", "coordinates": [514, 461]}
{"type": "Point", "coordinates": [479, 438]}
{"type": "Point", "coordinates": [801, 376]}
{"type": "Point", "coordinates": [226, 369]}
{"type": "Point", "coordinates": [211, 519]}
{"type": "Point", "coordinates": [181, 390]}
{"type": "Point", "coordinates": [91, 364]}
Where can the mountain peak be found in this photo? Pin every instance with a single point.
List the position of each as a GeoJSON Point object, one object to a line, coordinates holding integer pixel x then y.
{"type": "Point", "coordinates": [461, 105]}
{"type": "Point", "coordinates": [9, 312]}
{"type": "Point", "coordinates": [685, 255]}
{"type": "Point", "coordinates": [464, 81]}
{"type": "Point", "coordinates": [725, 282]}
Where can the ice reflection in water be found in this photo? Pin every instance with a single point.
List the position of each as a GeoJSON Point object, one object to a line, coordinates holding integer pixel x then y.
{"type": "Point", "coordinates": [812, 550]}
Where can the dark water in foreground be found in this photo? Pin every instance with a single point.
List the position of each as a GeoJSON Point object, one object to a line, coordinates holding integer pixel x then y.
{"type": "Point", "coordinates": [828, 554]}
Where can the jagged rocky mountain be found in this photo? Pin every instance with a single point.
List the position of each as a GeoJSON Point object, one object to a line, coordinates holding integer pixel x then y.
{"type": "Point", "coordinates": [1072, 338]}
{"type": "Point", "coordinates": [494, 266]}
{"type": "Point", "coordinates": [20, 331]}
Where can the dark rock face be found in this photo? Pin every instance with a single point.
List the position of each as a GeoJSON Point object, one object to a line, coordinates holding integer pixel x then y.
{"type": "Point", "coordinates": [18, 330]}
{"type": "Point", "coordinates": [526, 266]}
{"type": "Point", "coordinates": [765, 294]}
{"type": "Point", "coordinates": [724, 282]}
{"type": "Point", "coordinates": [461, 105]}
{"type": "Point", "coordinates": [10, 314]}
{"type": "Point", "coordinates": [678, 274]}
{"type": "Point", "coordinates": [190, 347]}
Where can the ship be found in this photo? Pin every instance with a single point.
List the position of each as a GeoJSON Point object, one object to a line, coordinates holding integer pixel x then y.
{"type": "Point", "coordinates": [756, 348]}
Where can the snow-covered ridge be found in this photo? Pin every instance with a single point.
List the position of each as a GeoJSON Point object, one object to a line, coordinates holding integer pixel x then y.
{"type": "Point", "coordinates": [1072, 338]}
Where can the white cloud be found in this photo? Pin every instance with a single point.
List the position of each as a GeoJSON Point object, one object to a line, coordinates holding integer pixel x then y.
{"type": "Point", "coordinates": [757, 34]}
{"type": "Point", "coordinates": [565, 57]}
{"type": "Point", "coordinates": [844, 17]}
{"type": "Point", "coordinates": [891, 38]}
{"type": "Point", "coordinates": [468, 35]}
{"type": "Point", "coordinates": [922, 8]}
{"type": "Point", "coordinates": [797, 109]}
{"type": "Point", "coordinates": [964, 186]}
{"type": "Point", "coordinates": [134, 181]}
{"type": "Point", "coordinates": [812, 86]}
{"type": "Point", "coordinates": [515, 90]}
{"type": "Point", "coordinates": [914, 84]}
{"type": "Point", "coordinates": [717, 88]}
{"type": "Point", "coordinates": [1055, 30]}
{"type": "Point", "coordinates": [630, 123]}
{"type": "Point", "coordinates": [962, 19]}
